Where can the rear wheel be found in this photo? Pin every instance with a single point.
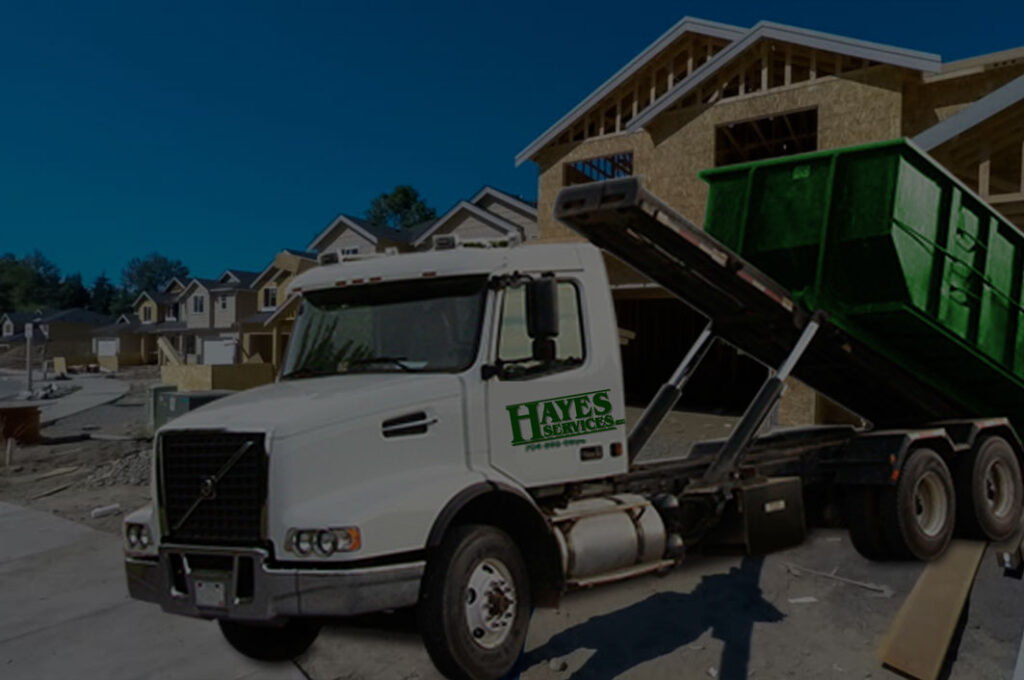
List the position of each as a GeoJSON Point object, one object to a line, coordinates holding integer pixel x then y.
{"type": "Point", "coordinates": [989, 491]}
{"type": "Point", "coordinates": [864, 520]}
{"type": "Point", "coordinates": [475, 604]}
{"type": "Point", "coordinates": [270, 642]}
{"type": "Point", "coordinates": [919, 513]}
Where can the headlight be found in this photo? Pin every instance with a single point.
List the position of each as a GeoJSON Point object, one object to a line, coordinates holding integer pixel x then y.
{"type": "Point", "coordinates": [137, 536]}
{"type": "Point", "coordinates": [324, 542]}
{"type": "Point", "coordinates": [304, 542]}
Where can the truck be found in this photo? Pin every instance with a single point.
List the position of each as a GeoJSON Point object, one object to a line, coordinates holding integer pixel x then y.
{"type": "Point", "coordinates": [447, 432]}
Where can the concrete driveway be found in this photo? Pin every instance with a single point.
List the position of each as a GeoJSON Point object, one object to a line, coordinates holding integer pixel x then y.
{"type": "Point", "coordinates": [65, 613]}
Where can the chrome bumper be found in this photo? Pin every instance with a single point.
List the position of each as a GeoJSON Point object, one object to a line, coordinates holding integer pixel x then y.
{"type": "Point", "coordinates": [237, 584]}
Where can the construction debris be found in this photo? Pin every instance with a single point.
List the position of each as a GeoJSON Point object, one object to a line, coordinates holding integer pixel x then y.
{"type": "Point", "coordinates": [883, 591]}
{"type": "Point", "coordinates": [105, 510]}
{"type": "Point", "coordinates": [50, 492]}
{"type": "Point", "coordinates": [132, 469]}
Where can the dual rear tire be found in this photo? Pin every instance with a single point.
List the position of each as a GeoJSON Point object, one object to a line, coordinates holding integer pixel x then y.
{"type": "Point", "coordinates": [917, 517]}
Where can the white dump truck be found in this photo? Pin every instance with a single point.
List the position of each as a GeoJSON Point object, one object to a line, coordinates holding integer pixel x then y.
{"type": "Point", "coordinates": [448, 432]}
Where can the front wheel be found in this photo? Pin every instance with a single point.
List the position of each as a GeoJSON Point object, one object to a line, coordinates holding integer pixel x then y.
{"type": "Point", "coordinates": [474, 605]}
{"type": "Point", "coordinates": [270, 642]}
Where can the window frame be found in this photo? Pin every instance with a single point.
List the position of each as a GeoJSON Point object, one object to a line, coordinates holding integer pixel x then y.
{"type": "Point", "coordinates": [580, 315]}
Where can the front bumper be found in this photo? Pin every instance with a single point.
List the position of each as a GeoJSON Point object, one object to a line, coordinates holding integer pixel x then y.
{"type": "Point", "coordinates": [238, 584]}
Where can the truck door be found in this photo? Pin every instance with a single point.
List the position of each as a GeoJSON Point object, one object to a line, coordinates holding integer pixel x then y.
{"type": "Point", "coordinates": [551, 422]}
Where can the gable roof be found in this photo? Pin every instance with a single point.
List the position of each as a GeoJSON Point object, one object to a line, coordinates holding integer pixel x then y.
{"type": "Point", "coordinates": [239, 278]}
{"type": "Point", "coordinates": [767, 30]}
{"type": "Point", "coordinates": [75, 315]}
{"type": "Point", "coordinates": [259, 280]}
{"type": "Point", "coordinates": [504, 197]}
{"type": "Point", "coordinates": [168, 284]}
{"type": "Point", "coordinates": [361, 227]}
{"type": "Point", "coordinates": [195, 281]}
{"type": "Point", "coordinates": [686, 25]}
{"type": "Point", "coordinates": [994, 102]}
{"type": "Point", "coordinates": [484, 215]}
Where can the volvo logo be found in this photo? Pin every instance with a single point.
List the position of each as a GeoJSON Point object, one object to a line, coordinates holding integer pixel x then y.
{"type": "Point", "coordinates": [208, 487]}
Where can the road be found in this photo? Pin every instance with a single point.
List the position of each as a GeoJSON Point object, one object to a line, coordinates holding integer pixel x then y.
{"type": "Point", "coordinates": [64, 612]}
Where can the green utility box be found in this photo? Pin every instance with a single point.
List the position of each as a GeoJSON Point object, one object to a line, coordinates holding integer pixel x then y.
{"type": "Point", "coordinates": [901, 255]}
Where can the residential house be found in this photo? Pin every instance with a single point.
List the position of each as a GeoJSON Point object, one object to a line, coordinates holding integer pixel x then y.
{"type": "Point", "coordinates": [707, 94]}
{"type": "Point", "coordinates": [266, 333]}
{"type": "Point", "coordinates": [66, 333]}
{"type": "Point", "coordinates": [133, 338]}
{"type": "Point", "coordinates": [490, 215]}
{"type": "Point", "coordinates": [212, 310]}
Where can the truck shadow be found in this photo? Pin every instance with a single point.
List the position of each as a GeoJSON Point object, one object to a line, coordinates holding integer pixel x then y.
{"type": "Point", "coordinates": [726, 604]}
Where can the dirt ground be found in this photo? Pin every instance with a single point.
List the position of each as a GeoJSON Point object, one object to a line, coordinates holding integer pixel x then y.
{"type": "Point", "coordinates": [70, 475]}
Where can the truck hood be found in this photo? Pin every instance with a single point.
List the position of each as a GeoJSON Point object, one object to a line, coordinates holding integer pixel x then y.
{"type": "Point", "coordinates": [289, 407]}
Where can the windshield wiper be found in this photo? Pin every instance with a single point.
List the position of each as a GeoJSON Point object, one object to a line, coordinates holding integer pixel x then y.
{"type": "Point", "coordinates": [397, 361]}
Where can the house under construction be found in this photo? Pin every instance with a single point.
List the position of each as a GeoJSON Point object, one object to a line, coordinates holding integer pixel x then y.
{"type": "Point", "coordinates": [707, 94]}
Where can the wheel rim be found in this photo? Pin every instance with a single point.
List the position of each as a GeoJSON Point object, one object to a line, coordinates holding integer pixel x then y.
{"type": "Point", "coordinates": [931, 504]}
{"type": "Point", "coordinates": [490, 600]}
{"type": "Point", "coordinates": [998, 489]}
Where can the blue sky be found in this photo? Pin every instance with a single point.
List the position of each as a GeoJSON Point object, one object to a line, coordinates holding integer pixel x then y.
{"type": "Point", "coordinates": [221, 132]}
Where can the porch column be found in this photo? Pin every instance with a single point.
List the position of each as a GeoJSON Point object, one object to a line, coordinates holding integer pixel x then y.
{"type": "Point", "coordinates": [275, 347]}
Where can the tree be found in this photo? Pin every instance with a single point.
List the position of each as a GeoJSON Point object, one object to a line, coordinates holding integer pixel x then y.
{"type": "Point", "coordinates": [28, 283]}
{"type": "Point", "coordinates": [71, 294]}
{"type": "Point", "coordinates": [400, 209]}
{"type": "Point", "coordinates": [150, 272]}
{"type": "Point", "coordinates": [103, 294]}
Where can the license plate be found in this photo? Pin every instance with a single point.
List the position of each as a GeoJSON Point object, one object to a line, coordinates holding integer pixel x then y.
{"type": "Point", "coordinates": [209, 593]}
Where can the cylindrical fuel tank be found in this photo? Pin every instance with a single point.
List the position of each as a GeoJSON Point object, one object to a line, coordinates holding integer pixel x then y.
{"type": "Point", "coordinates": [600, 535]}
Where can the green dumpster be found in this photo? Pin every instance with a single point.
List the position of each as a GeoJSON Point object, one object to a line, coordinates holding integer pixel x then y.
{"type": "Point", "coordinates": [903, 256]}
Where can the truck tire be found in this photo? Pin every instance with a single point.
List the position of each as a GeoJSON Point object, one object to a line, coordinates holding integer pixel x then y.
{"type": "Point", "coordinates": [270, 642]}
{"type": "Point", "coordinates": [919, 512]}
{"type": "Point", "coordinates": [474, 606]}
{"type": "Point", "coordinates": [989, 491]}
{"type": "Point", "coordinates": [864, 521]}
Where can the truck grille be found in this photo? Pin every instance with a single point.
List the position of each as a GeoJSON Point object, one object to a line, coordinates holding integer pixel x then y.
{"type": "Point", "coordinates": [201, 508]}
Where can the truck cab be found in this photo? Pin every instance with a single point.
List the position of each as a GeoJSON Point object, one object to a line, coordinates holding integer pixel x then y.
{"type": "Point", "coordinates": [421, 394]}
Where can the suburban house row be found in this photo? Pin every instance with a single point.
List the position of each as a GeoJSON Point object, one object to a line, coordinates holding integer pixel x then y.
{"type": "Point", "coordinates": [245, 317]}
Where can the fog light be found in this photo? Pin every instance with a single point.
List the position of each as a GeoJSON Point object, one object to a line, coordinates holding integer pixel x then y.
{"type": "Point", "coordinates": [326, 542]}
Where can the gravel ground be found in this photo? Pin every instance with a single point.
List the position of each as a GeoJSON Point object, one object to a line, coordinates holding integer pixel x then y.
{"type": "Point", "coordinates": [72, 477]}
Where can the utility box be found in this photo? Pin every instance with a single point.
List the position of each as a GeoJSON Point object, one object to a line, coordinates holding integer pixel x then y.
{"type": "Point", "coordinates": [900, 254]}
{"type": "Point", "coordinates": [172, 404]}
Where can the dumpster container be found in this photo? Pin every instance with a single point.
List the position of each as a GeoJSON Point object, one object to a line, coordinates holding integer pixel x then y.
{"type": "Point", "coordinates": [902, 255]}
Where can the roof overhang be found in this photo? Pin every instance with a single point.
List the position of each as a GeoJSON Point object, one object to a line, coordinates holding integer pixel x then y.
{"type": "Point", "coordinates": [487, 216]}
{"type": "Point", "coordinates": [686, 25]}
{"type": "Point", "coordinates": [991, 104]}
{"type": "Point", "coordinates": [505, 198]}
{"type": "Point", "coordinates": [766, 30]}
{"type": "Point", "coordinates": [341, 220]}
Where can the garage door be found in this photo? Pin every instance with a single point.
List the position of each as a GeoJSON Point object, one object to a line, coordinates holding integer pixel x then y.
{"type": "Point", "coordinates": [106, 347]}
{"type": "Point", "coordinates": [218, 351]}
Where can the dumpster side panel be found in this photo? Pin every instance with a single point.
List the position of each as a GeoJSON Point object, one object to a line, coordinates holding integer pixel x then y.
{"type": "Point", "coordinates": [902, 256]}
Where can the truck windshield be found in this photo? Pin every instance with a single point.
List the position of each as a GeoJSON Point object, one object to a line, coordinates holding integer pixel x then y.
{"type": "Point", "coordinates": [430, 325]}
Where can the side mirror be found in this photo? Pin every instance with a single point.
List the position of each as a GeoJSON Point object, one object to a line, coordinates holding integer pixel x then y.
{"type": "Point", "coordinates": [542, 316]}
{"type": "Point", "coordinates": [542, 308]}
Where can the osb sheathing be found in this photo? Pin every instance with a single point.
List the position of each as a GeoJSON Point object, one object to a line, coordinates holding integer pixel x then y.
{"type": "Point", "coordinates": [859, 108]}
{"type": "Point", "coordinates": [928, 103]}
